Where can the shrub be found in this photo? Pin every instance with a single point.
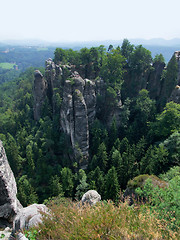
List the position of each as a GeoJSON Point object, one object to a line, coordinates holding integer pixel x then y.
{"type": "Point", "coordinates": [104, 221]}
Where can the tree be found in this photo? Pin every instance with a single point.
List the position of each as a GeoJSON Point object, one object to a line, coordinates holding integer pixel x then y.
{"type": "Point", "coordinates": [112, 69]}
{"type": "Point", "coordinates": [82, 187]}
{"type": "Point", "coordinates": [172, 144]}
{"type": "Point", "coordinates": [59, 55]}
{"type": "Point", "coordinates": [26, 193]}
{"type": "Point", "coordinates": [117, 162]}
{"type": "Point", "coordinates": [112, 188]}
{"type": "Point", "coordinates": [159, 58]}
{"type": "Point", "coordinates": [142, 113]}
{"type": "Point", "coordinates": [96, 179]}
{"type": "Point", "coordinates": [155, 160]}
{"type": "Point", "coordinates": [127, 49]}
{"type": "Point", "coordinates": [166, 122]}
{"type": "Point", "coordinates": [67, 181]}
{"type": "Point", "coordinates": [30, 158]}
{"type": "Point", "coordinates": [102, 156]}
{"type": "Point", "coordinates": [140, 59]}
{"type": "Point", "coordinates": [13, 154]}
{"type": "Point", "coordinates": [55, 187]}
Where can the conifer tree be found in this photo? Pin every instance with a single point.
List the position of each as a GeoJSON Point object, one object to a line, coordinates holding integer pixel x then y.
{"type": "Point", "coordinates": [112, 188]}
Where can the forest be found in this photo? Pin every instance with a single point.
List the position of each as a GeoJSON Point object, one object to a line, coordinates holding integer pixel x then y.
{"type": "Point", "coordinates": [21, 58]}
{"type": "Point", "coordinates": [145, 143]}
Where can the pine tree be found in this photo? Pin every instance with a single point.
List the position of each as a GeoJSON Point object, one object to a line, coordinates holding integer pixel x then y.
{"type": "Point", "coordinates": [112, 188]}
{"type": "Point", "coordinates": [67, 181]}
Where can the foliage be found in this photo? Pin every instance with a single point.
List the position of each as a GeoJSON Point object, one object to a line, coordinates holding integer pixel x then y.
{"type": "Point", "coordinates": [112, 69]}
{"type": "Point", "coordinates": [104, 221]}
{"type": "Point", "coordinates": [137, 140]}
{"type": "Point", "coordinates": [166, 122]}
{"type": "Point", "coordinates": [159, 58]}
{"type": "Point", "coordinates": [165, 201]}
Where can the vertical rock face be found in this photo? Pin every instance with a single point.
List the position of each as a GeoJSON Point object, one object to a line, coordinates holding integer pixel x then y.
{"type": "Point", "coordinates": [40, 88]}
{"type": "Point", "coordinates": [79, 104]}
{"type": "Point", "coordinates": [90, 99]}
{"type": "Point", "coordinates": [154, 82]}
{"type": "Point", "coordinates": [74, 117]}
{"type": "Point", "coordinates": [177, 55]}
{"type": "Point", "coordinates": [9, 204]}
{"type": "Point", "coordinates": [175, 95]}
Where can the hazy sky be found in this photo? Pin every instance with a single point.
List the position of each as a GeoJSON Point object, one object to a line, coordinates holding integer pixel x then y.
{"type": "Point", "coordinates": [82, 20]}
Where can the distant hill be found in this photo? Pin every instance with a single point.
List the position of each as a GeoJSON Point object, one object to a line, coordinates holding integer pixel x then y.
{"type": "Point", "coordinates": [155, 45]}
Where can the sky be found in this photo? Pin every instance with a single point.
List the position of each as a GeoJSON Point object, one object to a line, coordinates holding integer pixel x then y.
{"type": "Point", "coordinates": [89, 20]}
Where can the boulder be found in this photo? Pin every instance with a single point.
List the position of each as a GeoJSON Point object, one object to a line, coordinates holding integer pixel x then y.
{"type": "Point", "coordinates": [5, 234]}
{"type": "Point", "coordinates": [91, 197]}
{"type": "Point", "coordinates": [29, 216]}
{"type": "Point", "coordinates": [9, 204]}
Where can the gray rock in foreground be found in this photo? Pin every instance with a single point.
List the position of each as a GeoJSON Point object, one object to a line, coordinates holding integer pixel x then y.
{"type": "Point", "coordinates": [9, 204]}
{"type": "Point", "coordinates": [91, 197]}
{"type": "Point", "coordinates": [29, 216]}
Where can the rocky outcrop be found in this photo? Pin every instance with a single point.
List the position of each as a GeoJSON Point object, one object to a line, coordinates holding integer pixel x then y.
{"type": "Point", "coordinates": [91, 197]}
{"type": "Point", "coordinates": [138, 182]}
{"type": "Point", "coordinates": [9, 204]}
{"type": "Point", "coordinates": [74, 117]}
{"type": "Point", "coordinates": [175, 96]}
{"type": "Point", "coordinates": [5, 233]}
{"type": "Point", "coordinates": [29, 216]}
{"type": "Point", "coordinates": [79, 106]}
{"type": "Point", "coordinates": [154, 82]}
{"type": "Point", "coordinates": [177, 55]}
{"type": "Point", "coordinates": [40, 88]}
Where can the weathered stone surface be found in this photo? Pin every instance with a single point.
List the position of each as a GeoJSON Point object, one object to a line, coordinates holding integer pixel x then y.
{"type": "Point", "coordinates": [90, 99]}
{"type": "Point", "coordinates": [9, 204]}
{"type": "Point", "coordinates": [91, 197]}
{"type": "Point", "coordinates": [175, 96]}
{"type": "Point", "coordinates": [6, 233]}
{"type": "Point", "coordinates": [74, 118]}
{"type": "Point", "coordinates": [154, 82]}
{"type": "Point", "coordinates": [177, 55]}
{"type": "Point", "coordinates": [40, 88]}
{"type": "Point", "coordinates": [79, 106]}
{"type": "Point", "coordinates": [21, 236]}
{"type": "Point", "coordinates": [29, 216]}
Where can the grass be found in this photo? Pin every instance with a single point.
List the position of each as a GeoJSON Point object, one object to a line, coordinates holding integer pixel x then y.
{"type": "Point", "coordinates": [105, 221]}
{"type": "Point", "coordinates": [7, 65]}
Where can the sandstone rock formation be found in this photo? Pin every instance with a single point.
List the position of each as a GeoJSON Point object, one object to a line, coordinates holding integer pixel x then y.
{"type": "Point", "coordinates": [5, 233]}
{"type": "Point", "coordinates": [91, 197]}
{"type": "Point", "coordinates": [40, 88]}
{"type": "Point", "coordinates": [175, 95]}
{"type": "Point", "coordinates": [177, 55]}
{"type": "Point", "coordinates": [29, 216]}
{"type": "Point", "coordinates": [9, 204]}
{"type": "Point", "coordinates": [79, 106]}
{"type": "Point", "coordinates": [74, 118]}
{"type": "Point", "coordinates": [154, 81]}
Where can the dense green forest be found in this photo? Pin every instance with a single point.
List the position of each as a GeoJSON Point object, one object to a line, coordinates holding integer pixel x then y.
{"type": "Point", "coordinates": [147, 141]}
{"type": "Point", "coordinates": [21, 58]}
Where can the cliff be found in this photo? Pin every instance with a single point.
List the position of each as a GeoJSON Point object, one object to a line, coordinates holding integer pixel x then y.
{"type": "Point", "coordinates": [78, 106]}
{"type": "Point", "coordinates": [9, 204]}
{"type": "Point", "coordinates": [83, 100]}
